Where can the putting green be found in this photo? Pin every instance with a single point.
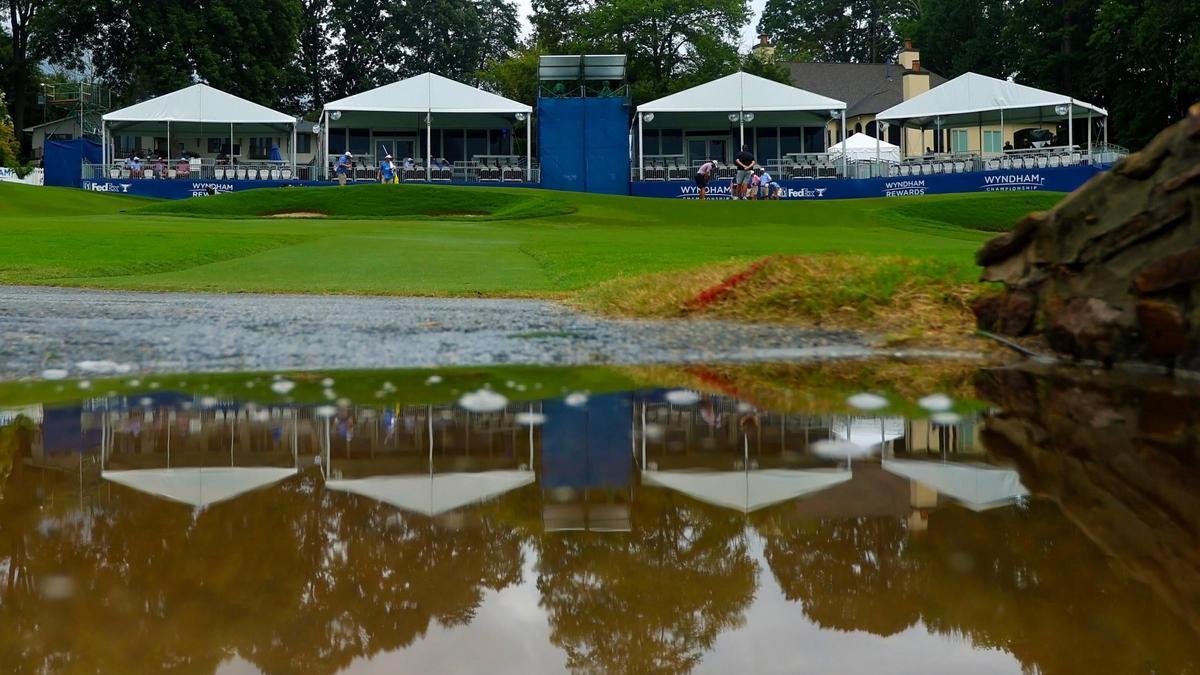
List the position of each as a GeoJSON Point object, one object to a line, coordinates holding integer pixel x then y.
{"type": "Point", "coordinates": [441, 240]}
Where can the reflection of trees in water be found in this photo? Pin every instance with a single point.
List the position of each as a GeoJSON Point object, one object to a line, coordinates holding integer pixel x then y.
{"type": "Point", "coordinates": [1021, 579]}
{"type": "Point", "coordinates": [291, 578]}
{"type": "Point", "coordinates": [652, 600]}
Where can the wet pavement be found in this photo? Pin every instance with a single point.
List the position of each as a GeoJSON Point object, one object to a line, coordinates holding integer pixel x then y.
{"type": "Point", "coordinates": [58, 328]}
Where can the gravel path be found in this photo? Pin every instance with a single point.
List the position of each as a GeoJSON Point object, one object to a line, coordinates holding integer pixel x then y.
{"type": "Point", "coordinates": [159, 332]}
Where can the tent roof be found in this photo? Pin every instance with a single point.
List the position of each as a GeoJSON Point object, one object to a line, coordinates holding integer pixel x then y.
{"type": "Point", "coordinates": [863, 141]}
{"type": "Point", "coordinates": [199, 103]}
{"type": "Point", "coordinates": [427, 93]}
{"type": "Point", "coordinates": [746, 491]}
{"type": "Point", "coordinates": [436, 494]}
{"type": "Point", "coordinates": [977, 487]}
{"type": "Point", "coordinates": [199, 487]}
{"type": "Point", "coordinates": [742, 91]}
{"type": "Point", "coordinates": [972, 93]}
{"type": "Point", "coordinates": [867, 432]}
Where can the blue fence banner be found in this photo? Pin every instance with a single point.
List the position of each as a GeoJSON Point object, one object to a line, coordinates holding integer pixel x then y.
{"type": "Point", "coordinates": [182, 188]}
{"type": "Point", "coordinates": [1062, 179]}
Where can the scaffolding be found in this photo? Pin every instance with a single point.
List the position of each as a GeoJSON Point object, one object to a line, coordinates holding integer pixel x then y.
{"type": "Point", "coordinates": [85, 102]}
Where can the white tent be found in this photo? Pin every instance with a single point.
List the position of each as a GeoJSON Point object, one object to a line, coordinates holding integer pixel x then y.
{"type": "Point", "coordinates": [868, 432]}
{"type": "Point", "coordinates": [194, 109]}
{"type": "Point", "coordinates": [741, 98]}
{"type": "Point", "coordinates": [747, 491]}
{"type": "Point", "coordinates": [972, 99]}
{"type": "Point", "coordinates": [435, 494]}
{"type": "Point", "coordinates": [975, 486]}
{"type": "Point", "coordinates": [861, 148]}
{"type": "Point", "coordinates": [420, 98]}
{"type": "Point", "coordinates": [199, 487]}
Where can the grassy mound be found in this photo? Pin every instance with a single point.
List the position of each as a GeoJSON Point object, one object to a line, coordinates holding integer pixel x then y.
{"type": "Point", "coordinates": [382, 202]}
{"type": "Point", "coordinates": [988, 212]}
{"type": "Point", "coordinates": [30, 201]}
{"type": "Point", "coordinates": [898, 298]}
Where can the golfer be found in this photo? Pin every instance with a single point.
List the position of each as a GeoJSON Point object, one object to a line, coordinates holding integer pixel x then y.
{"type": "Point", "coordinates": [704, 174]}
{"type": "Point", "coordinates": [745, 168]}
{"type": "Point", "coordinates": [387, 170]}
{"type": "Point", "coordinates": [344, 163]}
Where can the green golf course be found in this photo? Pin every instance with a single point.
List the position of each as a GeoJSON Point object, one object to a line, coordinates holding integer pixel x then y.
{"type": "Point", "coordinates": [621, 255]}
{"type": "Point", "coordinates": [421, 240]}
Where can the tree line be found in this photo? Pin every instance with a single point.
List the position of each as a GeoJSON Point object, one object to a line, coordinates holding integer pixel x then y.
{"type": "Point", "coordinates": [1138, 58]}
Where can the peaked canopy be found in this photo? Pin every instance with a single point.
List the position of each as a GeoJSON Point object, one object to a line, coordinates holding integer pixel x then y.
{"type": "Point", "coordinates": [433, 495]}
{"type": "Point", "coordinates": [742, 92]}
{"type": "Point", "coordinates": [746, 491]}
{"type": "Point", "coordinates": [863, 147]}
{"type": "Point", "coordinates": [974, 98]}
{"type": "Point", "coordinates": [867, 432]}
{"type": "Point", "coordinates": [199, 487]}
{"type": "Point", "coordinates": [978, 487]}
{"type": "Point", "coordinates": [199, 103]}
{"type": "Point", "coordinates": [427, 93]}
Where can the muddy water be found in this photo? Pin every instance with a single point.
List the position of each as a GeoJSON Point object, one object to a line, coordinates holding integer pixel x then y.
{"type": "Point", "coordinates": [709, 520]}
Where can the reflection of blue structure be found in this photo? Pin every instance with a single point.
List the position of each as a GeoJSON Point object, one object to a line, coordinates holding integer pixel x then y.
{"type": "Point", "coordinates": [589, 446]}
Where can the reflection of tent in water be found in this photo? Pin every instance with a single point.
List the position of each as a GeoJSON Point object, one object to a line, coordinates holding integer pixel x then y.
{"type": "Point", "coordinates": [199, 486]}
{"type": "Point", "coordinates": [868, 431]}
{"type": "Point", "coordinates": [977, 487]}
{"type": "Point", "coordinates": [435, 494]}
{"type": "Point", "coordinates": [587, 464]}
{"type": "Point", "coordinates": [747, 491]}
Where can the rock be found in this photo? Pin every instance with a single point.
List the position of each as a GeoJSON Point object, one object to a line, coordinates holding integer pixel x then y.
{"type": "Point", "coordinates": [1112, 272]}
{"type": "Point", "coordinates": [1163, 327]}
{"type": "Point", "coordinates": [1087, 327]}
{"type": "Point", "coordinates": [1168, 272]}
{"type": "Point", "coordinates": [1009, 313]}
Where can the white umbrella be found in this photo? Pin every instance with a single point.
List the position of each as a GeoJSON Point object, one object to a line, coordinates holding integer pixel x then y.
{"type": "Point", "coordinates": [199, 486]}
{"type": "Point", "coordinates": [747, 491]}
{"type": "Point", "coordinates": [435, 494]}
{"type": "Point", "coordinates": [976, 486]}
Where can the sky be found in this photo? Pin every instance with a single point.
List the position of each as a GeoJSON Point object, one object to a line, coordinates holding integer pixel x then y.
{"type": "Point", "coordinates": [749, 33]}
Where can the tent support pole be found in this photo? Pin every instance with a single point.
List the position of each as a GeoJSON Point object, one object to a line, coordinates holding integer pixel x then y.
{"type": "Point", "coordinates": [741, 132]}
{"type": "Point", "coordinates": [1001, 129]}
{"type": "Point", "coordinates": [103, 149]}
{"type": "Point", "coordinates": [1071, 124]}
{"type": "Point", "coordinates": [528, 162]}
{"type": "Point", "coordinates": [1090, 161]}
{"type": "Point", "coordinates": [877, 167]}
{"type": "Point", "coordinates": [429, 146]}
{"type": "Point", "coordinates": [844, 163]}
{"type": "Point", "coordinates": [168, 140]}
{"type": "Point", "coordinates": [293, 149]}
{"type": "Point", "coordinates": [641, 150]}
{"type": "Point", "coordinates": [325, 147]}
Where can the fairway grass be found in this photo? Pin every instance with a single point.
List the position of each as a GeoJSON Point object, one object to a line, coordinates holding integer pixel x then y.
{"type": "Point", "coordinates": [407, 240]}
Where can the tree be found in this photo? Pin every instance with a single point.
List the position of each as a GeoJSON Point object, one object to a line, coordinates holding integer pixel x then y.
{"type": "Point", "coordinates": [451, 37]}
{"type": "Point", "coordinates": [313, 66]}
{"type": "Point", "coordinates": [1049, 39]}
{"type": "Point", "coordinates": [836, 30]}
{"type": "Point", "coordinates": [25, 37]}
{"type": "Point", "coordinates": [514, 77]}
{"type": "Point", "coordinates": [1146, 64]}
{"type": "Point", "coordinates": [959, 36]}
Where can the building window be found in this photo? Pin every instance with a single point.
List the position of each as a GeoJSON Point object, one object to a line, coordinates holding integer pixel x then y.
{"type": "Point", "coordinates": [992, 142]}
{"type": "Point", "coordinates": [958, 140]}
{"type": "Point", "coordinates": [127, 144]}
{"type": "Point", "coordinates": [360, 141]}
{"type": "Point", "coordinates": [672, 142]}
{"type": "Point", "coordinates": [303, 143]}
{"type": "Point", "coordinates": [259, 147]}
{"type": "Point", "coordinates": [217, 146]}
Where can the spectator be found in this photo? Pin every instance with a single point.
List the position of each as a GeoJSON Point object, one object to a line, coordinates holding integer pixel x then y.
{"type": "Point", "coordinates": [754, 182]}
{"type": "Point", "coordinates": [745, 171]}
{"type": "Point", "coordinates": [767, 187]}
{"type": "Point", "coordinates": [135, 167]}
{"type": "Point", "coordinates": [343, 167]}
{"type": "Point", "coordinates": [183, 168]}
{"type": "Point", "coordinates": [160, 167]}
{"type": "Point", "coordinates": [387, 170]}
{"type": "Point", "coordinates": [704, 174]}
{"type": "Point", "coordinates": [1008, 145]}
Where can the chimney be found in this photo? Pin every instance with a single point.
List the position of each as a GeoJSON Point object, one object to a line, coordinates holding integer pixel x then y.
{"type": "Point", "coordinates": [764, 51]}
{"type": "Point", "coordinates": [915, 81]}
{"type": "Point", "coordinates": [764, 40]}
{"type": "Point", "coordinates": [908, 55]}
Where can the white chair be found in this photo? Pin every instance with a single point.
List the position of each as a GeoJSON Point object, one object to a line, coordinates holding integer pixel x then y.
{"type": "Point", "coordinates": [241, 173]}
{"type": "Point", "coordinates": [960, 167]}
{"type": "Point", "coordinates": [114, 173]}
{"type": "Point", "coordinates": [1042, 162]}
{"type": "Point", "coordinates": [219, 173]}
{"type": "Point", "coordinates": [274, 174]}
{"type": "Point", "coordinates": [993, 164]}
{"type": "Point", "coordinates": [1055, 161]}
{"type": "Point", "coordinates": [125, 173]}
{"type": "Point", "coordinates": [172, 173]}
{"type": "Point", "coordinates": [286, 174]}
{"type": "Point", "coordinates": [148, 173]}
{"type": "Point", "coordinates": [1076, 158]}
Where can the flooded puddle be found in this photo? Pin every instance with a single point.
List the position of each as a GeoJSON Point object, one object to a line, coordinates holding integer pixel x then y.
{"type": "Point", "coordinates": [840, 517]}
